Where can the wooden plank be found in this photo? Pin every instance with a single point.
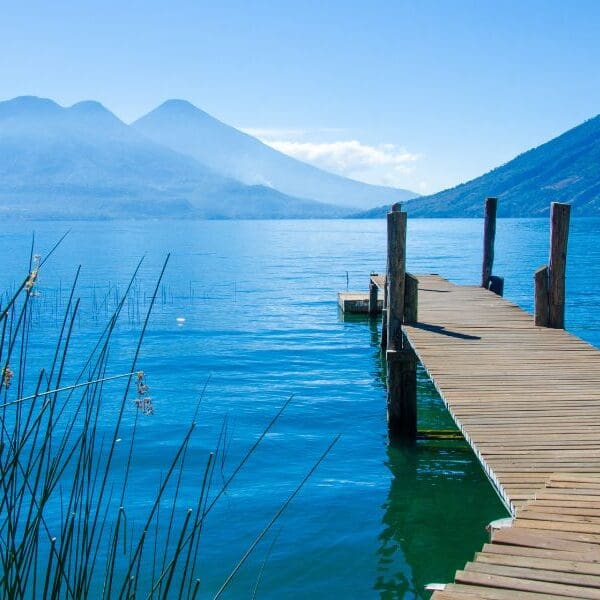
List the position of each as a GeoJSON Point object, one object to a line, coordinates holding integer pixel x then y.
{"type": "Point", "coordinates": [568, 566]}
{"type": "Point", "coordinates": [526, 585]}
{"type": "Point", "coordinates": [490, 593]}
{"type": "Point", "coordinates": [535, 574]}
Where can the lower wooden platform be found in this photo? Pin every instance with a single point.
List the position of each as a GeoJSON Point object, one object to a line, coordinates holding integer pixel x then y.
{"type": "Point", "coordinates": [356, 302]}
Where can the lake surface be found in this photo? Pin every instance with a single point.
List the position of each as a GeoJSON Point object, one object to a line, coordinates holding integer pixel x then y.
{"type": "Point", "coordinates": [262, 323]}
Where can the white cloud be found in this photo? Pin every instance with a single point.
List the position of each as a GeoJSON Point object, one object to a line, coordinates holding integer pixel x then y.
{"type": "Point", "coordinates": [384, 164]}
{"type": "Point", "coordinates": [381, 164]}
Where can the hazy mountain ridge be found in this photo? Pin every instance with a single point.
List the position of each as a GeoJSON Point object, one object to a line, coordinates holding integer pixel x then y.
{"type": "Point", "coordinates": [84, 162]}
{"type": "Point", "coordinates": [185, 128]}
{"type": "Point", "coordinates": [565, 169]}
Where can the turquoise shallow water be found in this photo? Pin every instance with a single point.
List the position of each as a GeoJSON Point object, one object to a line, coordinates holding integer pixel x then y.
{"type": "Point", "coordinates": [261, 321]}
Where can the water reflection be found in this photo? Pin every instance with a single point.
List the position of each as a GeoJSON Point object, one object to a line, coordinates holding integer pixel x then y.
{"type": "Point", "coordinates": [434, 516]}
{"type": "Point", "coordinates": [438, 503]}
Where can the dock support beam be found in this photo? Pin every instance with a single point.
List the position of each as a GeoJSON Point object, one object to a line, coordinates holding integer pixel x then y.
{"type": "Point", "coordinates": [550, 280]}
{"type": "Point", "coordinates": [557, 267]}
{"type": "Point", "coordinates": [396, 272]}
{"type": "Point", "coordinates": [402, 393]}
{"type": "Point", "coordinates": [489, 237]}
{"type": "Point", "coordinates": [372, 298]}
{"type": "Point", "coordinates": [411, 298]}
{"type": "Point", "coordinates": [401, 304]}
{"type": "Point", "coordinates": [488, 281]}
{"type": "Point", "coordinates": [384, 319]}
{"type": "Point", "coordinates": [541, 314]}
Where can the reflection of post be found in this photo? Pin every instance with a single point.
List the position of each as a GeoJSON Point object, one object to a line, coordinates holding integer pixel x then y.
{"type": "Point", "coordinates": [438, 498]}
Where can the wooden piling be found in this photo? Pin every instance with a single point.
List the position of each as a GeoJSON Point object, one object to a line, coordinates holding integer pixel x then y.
{"type": "Point", "coordinates": [559, 235]}
{"type": "Point", "coordinates": [384, 320]}
{"type": "Point", "coordinates": [541, 310]}
{"type": "Point", "coordinates": [401, 360]}
{"type": "Point", "coordinates": [396, 272]}
{"type": "Point", "coordinates": [402, 393]}
{"type": "Point", "coordinates": [489, 236]}
{"type": "Point", "coordinates": [411, 297]}
{"type": "Point", "coordinates": [373, 297]}
{"type": "Point", "coordinates": [496, 285]}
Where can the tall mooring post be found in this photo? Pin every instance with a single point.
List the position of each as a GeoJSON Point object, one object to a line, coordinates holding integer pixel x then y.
{"type": "Point", "coordinates": [488, 280]}
{"type": "Point", "coordinates": [373, 297]}
{"type": "Point", "coordinates": [550, 279]}
{"type": "Point", "coordinates": [400, 357]}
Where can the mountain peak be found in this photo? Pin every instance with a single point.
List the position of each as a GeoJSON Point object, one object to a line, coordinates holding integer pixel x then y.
{"type": "Point", "coordinates": [183, 127]}
{"type": "Point", "coordinates": [176, 106]}
{"type": "Point", "coordinates": [28, 104]}
{"type": "Point", "coordinates": [89, 106]}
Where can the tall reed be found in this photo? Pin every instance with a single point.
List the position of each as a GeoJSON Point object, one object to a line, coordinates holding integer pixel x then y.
{"type": "Point", "coordinates": [64, 526]}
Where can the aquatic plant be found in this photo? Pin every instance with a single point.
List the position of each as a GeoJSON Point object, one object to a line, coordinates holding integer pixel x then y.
{"type": "Point", "coordinates": [64, 529]}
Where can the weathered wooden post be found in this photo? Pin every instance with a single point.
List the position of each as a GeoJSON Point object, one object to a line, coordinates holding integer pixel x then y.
{"type": "Point", "coordinates": [401, 360]}
{"type": "Point", "coordinates": [384, 318]}
{"type": "Point", "coordinates": [373, 297]}
{"type": "Point", "coordinates": [396, 272]}
{"type": "Point", "coordinates": [411, 298]}
{"type": "Point", "coordinates": [549, 279]}
{"type": "Point", "coordinates": [402, 393]}
{"type": "Point", "coordinates": [557, 267]}
{"type": "Point", "coordinates": [489, 236]}
{"type": "Point", "coordinates": [541, 312]}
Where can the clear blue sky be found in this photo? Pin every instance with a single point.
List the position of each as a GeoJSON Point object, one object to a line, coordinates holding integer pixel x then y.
{"type": "Point", "coordinates": [431, 93]}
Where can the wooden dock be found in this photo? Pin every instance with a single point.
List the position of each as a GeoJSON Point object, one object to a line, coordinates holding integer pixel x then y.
{"type": "Point", "coordinates": [527, 400]}
{"type": "Point", "coordinates": [551, 549]}
{"type": "Point", "coordinates": [526, 396]}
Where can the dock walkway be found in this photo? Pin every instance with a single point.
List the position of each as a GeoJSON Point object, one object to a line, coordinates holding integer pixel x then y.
{"type": "Point", "coordinates": [551, 551]}
{"type": "Point", "coordinates": [526, 398]}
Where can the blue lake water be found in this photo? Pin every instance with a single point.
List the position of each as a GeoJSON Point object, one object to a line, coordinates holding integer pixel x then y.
{"type": "Point", "coordinates": [262, 323]}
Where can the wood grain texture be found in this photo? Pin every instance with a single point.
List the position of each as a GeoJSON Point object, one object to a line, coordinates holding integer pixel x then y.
{"type": "Point", "coordinates": [526, 398]}
{"type": "Point", "coordinates": [545, 553]}
{"type": "Point", "coordinates": [489, 236]}
{"type": "Point", "coordinates": [557, 267]}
